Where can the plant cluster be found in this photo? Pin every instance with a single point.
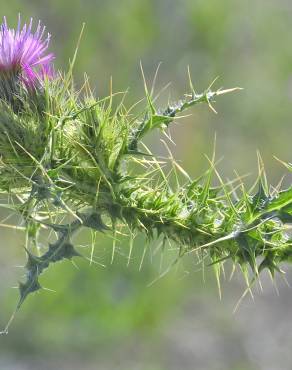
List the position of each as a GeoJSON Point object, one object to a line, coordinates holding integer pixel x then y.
{"type": "Point", "coordinates": [69, 161]}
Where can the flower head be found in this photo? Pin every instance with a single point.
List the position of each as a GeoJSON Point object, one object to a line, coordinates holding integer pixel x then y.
{"type": "Point", "coordinates": [23, 55]}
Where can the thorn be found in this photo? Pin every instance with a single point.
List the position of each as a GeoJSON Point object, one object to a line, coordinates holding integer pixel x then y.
{"type": "Point", "coordinates": [227, 91]}
{"type": "Point", "coordinates": [211, 107]}
{"type": "Point", "coordinates": [212, 83]}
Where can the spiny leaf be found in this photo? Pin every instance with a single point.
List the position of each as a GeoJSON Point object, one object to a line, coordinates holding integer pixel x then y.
{"type": "Point", "coordinates": [57, 253]}
{"type": "Point", "coordinates": [94, 221]}
{"type": "Point", "coordinates": [30, 286]}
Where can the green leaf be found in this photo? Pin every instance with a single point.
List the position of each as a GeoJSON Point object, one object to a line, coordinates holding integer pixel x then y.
{"type": "Point", "coordinates": [30, 286]}
{"type": "Point", "coordinates": [266, 205]}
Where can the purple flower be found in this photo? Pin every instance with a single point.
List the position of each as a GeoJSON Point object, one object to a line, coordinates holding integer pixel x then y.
{"type": "Point", "coordinates": [23, 55]}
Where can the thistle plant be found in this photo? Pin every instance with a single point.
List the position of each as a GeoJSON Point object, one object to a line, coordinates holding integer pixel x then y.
{"type": "Point", "coordinates": [68, 161]}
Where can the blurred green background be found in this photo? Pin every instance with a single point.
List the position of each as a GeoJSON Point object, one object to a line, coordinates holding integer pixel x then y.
{"type": "Point", "coordinates": [108, 318]}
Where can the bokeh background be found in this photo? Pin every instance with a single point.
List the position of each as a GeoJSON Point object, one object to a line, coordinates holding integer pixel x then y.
{"type": "Point", "coordinates": [109, 318]}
